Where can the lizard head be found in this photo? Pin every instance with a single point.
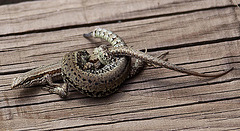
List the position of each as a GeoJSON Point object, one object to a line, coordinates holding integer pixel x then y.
{"type": "Point", "coordinates": [17, 82]}
{"type": "Point", "coordinates": [103, 54]}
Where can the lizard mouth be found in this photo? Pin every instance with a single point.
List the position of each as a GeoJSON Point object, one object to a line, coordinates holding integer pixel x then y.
{"type": "Point", "coordinates": [16, 83]}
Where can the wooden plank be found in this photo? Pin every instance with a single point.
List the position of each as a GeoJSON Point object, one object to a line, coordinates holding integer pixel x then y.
{"type": "Point", "coordinates": [178, 35]}
{"type": "Point", "coordinates": [36, 16]}
{"type": "Point", "coordinates": [203, 37]}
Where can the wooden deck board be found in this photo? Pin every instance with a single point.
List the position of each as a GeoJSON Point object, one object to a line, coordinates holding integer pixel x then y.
{"type": "Point", "coordinates": [200, 35]}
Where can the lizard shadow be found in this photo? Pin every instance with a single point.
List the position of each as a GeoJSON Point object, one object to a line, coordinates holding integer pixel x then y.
{"type": "Point", "coordinates": [106, 102]}
{"type": "Point", "coordinates": [94, 100]}
{"type": "Point", "coordinates": [30, 91]}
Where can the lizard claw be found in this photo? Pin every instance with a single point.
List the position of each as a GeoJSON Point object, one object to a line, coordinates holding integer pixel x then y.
{"type": "Point", "coordinates": [60, 90]}
{"type": "Point", "coordinates": [161, 56]}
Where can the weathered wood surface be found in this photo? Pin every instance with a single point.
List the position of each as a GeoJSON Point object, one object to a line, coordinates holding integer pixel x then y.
{"type": "Point", "coordinates": [200, 35]}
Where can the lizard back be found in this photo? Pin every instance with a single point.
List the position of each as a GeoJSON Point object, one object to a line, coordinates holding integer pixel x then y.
{"type": "Point", "coordinates": [94, 83]}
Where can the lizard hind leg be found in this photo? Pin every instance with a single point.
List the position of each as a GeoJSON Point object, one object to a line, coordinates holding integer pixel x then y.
{"type": "Point", "coordinates": [138, 64]}
{"type": "Point", "coordinates": [161, 56]}
{"type": "Point", "coordinates": [136, 67]}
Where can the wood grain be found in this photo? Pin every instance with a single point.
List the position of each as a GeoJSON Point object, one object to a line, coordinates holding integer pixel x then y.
{"type": "Point", "coordinates": [200, 35]}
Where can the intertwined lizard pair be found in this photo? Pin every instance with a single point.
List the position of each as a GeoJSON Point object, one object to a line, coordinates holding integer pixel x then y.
{"type": "Point", "coordinates": [100, 74]}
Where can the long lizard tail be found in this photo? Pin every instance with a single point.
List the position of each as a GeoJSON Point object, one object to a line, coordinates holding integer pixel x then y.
{"type": "Point", "coordinates": [126, 51]}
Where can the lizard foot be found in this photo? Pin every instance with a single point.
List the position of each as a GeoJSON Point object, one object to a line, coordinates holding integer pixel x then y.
{"type": "Point", "coordinates": [161, 56]}
{"type": "Point", "coordinates": [60, 90]}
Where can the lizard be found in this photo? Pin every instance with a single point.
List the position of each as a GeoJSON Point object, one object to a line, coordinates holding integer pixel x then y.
{"type": "Point", "coordinates": [47, 74]}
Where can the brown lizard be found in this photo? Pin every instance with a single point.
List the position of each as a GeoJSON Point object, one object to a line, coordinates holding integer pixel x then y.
{"type": "Point", "coordinates": [115, 73]}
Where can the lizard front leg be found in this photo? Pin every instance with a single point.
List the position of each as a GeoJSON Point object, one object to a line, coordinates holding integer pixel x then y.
{"type": "Point", "coordinates": [61, 90]}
